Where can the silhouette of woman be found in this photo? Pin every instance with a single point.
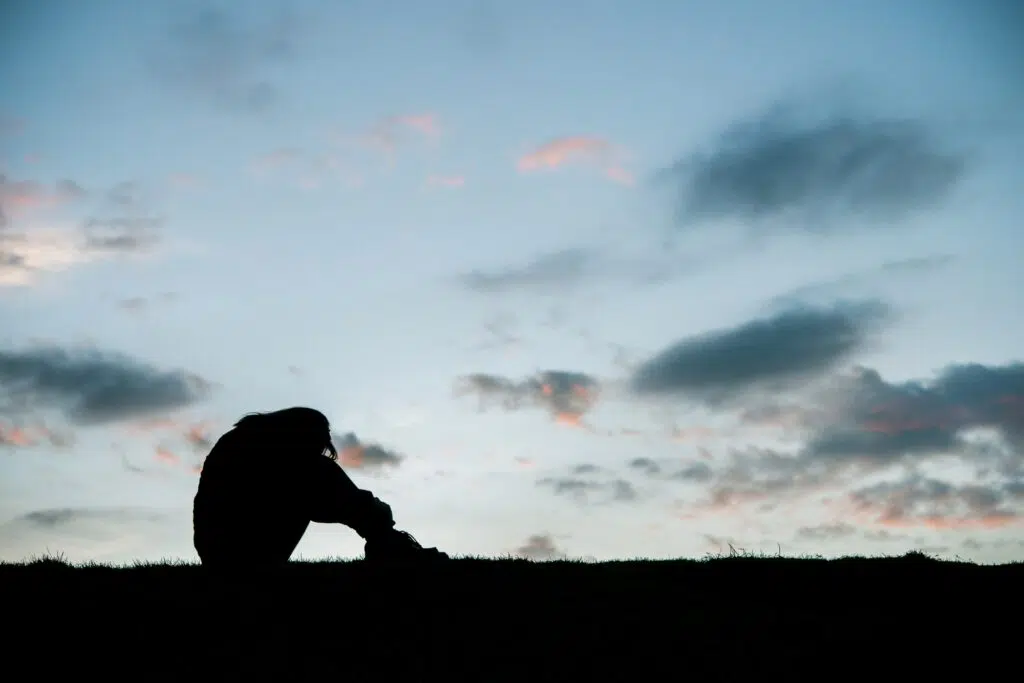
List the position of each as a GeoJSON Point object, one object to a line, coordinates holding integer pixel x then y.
{"type": "Point", "coordinates": [271, 475]}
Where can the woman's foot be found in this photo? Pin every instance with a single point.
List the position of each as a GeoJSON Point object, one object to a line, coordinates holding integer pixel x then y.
{"type": "Point", "coordinates": [394, 545]}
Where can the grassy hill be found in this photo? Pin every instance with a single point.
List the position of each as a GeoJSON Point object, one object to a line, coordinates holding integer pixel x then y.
{"type": "Point", "coordinates": [724, 618]}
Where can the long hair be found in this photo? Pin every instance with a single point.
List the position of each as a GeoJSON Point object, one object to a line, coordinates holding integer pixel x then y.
{"type": "Point", "coordinates": [300, 422]}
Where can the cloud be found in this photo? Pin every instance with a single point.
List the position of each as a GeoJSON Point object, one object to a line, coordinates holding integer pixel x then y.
{"type": "Point", "coordinates": [590, 151]}
{"type": "Point", "coordinates": [139, 304]}
{"type": "Point", "coordinates": [24, 256]}
{"type": "Point", "coordinates": [566, 396]}
{"type": "Point", "coordinates": [564, 269]}
{"type": "Point", "coordinates": [34, 246]}
{"type": "Point", "coordinates": [122, 222]}
{"type": "Point", "coordinates": [21, 435]}
{"type": "Point", "coordinates": [309, 170]}
{"type": "Point", "coordinates": [92, 386]}
{"type": "Point", "coordinates": [385, 134]}
{"type": "Point", "coordinates": [766, 354]}
{"type": "Point", "coordinates": [827, 532]}
{"type": "Point", "coordinates": [645, 465]}
{"type": "Point", "coordinates": [449, 181]}
{"type": "Point", "coordinates": [19, 196]}
{"type": "Point", "coordinates": [228, 61]}
{"type": "Point", "coordinates": [834, 286]}
{"type": "Point", "coordinates": [358, 454]}
{"type": "Point", "coordinates": [540, 547]}
{"type": "Point", "coordinates": [919, 501]}
{"type": "Point", "coordinates": [863, 426]}
{"type": "Point", "coordinates": [551, 271]}
{"type": "Point", "coordinates": [591, 490]}
{"type": "Point", "coordinates": [875, 419]}
{"type": "Point", "coordinates": [83, 534]}
{"type": "Point", "coordinates": [776, 166]}
{"type": "Point", "coordinates": [59, 517]}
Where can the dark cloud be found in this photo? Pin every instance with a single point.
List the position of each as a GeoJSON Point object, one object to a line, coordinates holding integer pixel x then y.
{"type": "Point", "coordinates": [227, 60]}
{"type": "Point", "coordinates": [540, 547]}
{"type": "Point", "coordinates": [863, 425]}
{"type": "Point", "coordinates": [645, 465]}
{"type": "Point", "coordinates": [591, 490]}
{"type": "Point", "coordinates": [776, 166]}
{"type": "Point", "coordinates": [362, 455]}
{"type": "Point", "coordinates": [92, 386]}
{"type": "Point", "coordinates": [767, 354]}
{"type": "Point", "coordinates": [9, 260]}
{"type": "Point", "coordinates": [565, 395]}
{"type": "Point", "coordinates": [696, 472]}
{"type": "Point", "coordinates": [924, 501]}
{"type": "Point", "coordinates": [876, 419]}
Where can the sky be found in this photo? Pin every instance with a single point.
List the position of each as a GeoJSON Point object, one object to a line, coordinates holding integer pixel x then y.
{"type": "Point", "coordinates": [599, 280]}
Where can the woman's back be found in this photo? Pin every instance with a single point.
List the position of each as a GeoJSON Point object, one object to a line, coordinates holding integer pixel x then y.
{"type": "Point", "coordinates": [247, 493]}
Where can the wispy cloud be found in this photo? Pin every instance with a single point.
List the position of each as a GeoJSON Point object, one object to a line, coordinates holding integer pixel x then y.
{"type": "Point", "coordinates": [141, 304]}
{"type": "Point", "coordinates": [385, 136]}
{"type": "Point", "coordinates": [565, 269]}
{"type": "Point", "coordinates": [554, 270]}
{"type": "Point", "coordinates": [834, 287]}
{"type": "Point", "coordinates": [449, 181]}
{"type": "Point", "coordinates": [309, 170]}
{"type": "Point", "coordinates": [226, 60]}
{"type": "Point", "coordinates": [18, 434]}
{"type": "Point", "coordinates": [588, 151]}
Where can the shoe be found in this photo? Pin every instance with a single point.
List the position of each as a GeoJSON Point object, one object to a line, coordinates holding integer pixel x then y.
{"type": "Point", "coordinates": [394, 545]}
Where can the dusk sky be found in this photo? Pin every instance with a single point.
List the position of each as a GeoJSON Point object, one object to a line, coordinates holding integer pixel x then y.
{"type": "Point", "coordinates": [588, 279]}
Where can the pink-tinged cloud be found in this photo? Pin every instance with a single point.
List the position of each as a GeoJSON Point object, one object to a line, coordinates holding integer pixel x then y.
{"type": "Point", "coordinates": [589, 151]}
{"type": "Point", "coordinates": [446, 181]}
{"type": "Point", "coordinates": [424, 123]}
{"type": "Point", "coordinates": [386, 134]}
{"type": "Point", "coordinates": [166, 455]}
{"type": "Point", "coordinates": [695, 433]}
{"type": "Point", "coordinates": [183, 181]}
{"type": "Point", "coordinates": [307, 169]}
{"type": "Point", "coordinates": [18, 196]}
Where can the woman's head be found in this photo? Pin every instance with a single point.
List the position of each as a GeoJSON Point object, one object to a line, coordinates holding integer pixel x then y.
{"type": "Point", "coordinates": [298, 428]}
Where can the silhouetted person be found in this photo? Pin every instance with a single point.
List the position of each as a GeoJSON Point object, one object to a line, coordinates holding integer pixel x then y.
{"type": "Point", "coordinates": [271, 475]}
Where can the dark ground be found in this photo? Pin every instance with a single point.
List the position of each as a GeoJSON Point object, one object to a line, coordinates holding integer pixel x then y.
{"type": "Point", "coordinates": [474, 619]}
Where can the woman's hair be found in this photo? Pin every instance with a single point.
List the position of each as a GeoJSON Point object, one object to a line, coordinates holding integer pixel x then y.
{"type": "Point", "coordinates": [297, 420]}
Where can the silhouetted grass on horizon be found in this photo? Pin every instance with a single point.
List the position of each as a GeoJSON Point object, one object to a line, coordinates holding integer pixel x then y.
{"type": "Point", "coordinates": [489, 618]}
